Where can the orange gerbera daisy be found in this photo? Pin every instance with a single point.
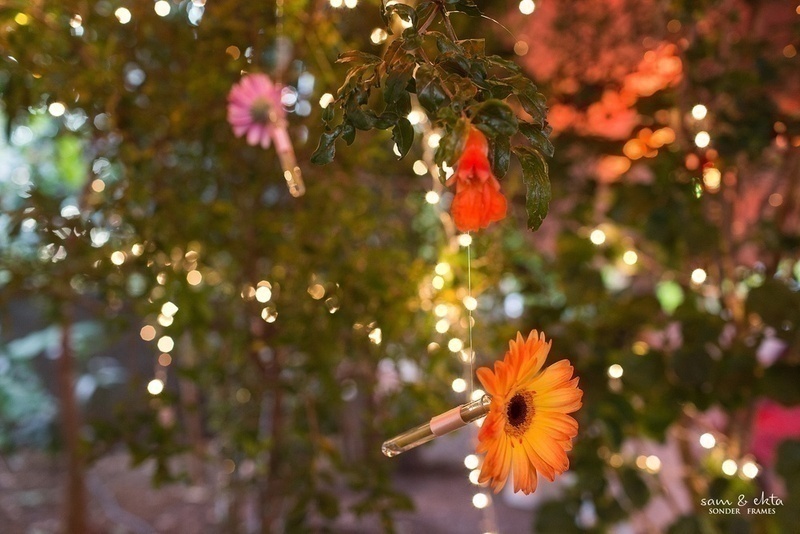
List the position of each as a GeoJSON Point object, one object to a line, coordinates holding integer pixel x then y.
{"type": "Point", "coordinates": [527, 430]}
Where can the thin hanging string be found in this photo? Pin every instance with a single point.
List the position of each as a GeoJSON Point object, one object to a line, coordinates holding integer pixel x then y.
{"type": "Point", "coordinates": [469, 322]}
{"type": "Point", "coordinates": [277, 72]}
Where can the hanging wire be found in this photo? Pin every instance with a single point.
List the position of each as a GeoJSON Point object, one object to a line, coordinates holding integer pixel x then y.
{"type": "Point", "coordinates": [469, 323]}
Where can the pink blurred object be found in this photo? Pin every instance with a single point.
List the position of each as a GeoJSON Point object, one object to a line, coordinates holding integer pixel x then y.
{"type": "Point", "coordinates": [255, 111]}
{"type": "Point", "coordinates": [772, 425]}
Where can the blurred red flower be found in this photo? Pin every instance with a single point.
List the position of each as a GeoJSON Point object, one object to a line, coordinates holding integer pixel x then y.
{"type": "Point", "coordinates": [478, 201]}
{"type": "Point", "coordinates": [773, 424]}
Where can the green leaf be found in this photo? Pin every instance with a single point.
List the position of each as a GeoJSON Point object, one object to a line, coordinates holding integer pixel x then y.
{"type": "Point", "coordinates": [634, 486]}
{"type": "Point", "coordinates": [474, 47]}
{"type": "Point", "coordinates": [328, 113]}
{"type": "Point", "coordinates": [451, 144]}
{"type": "Point", "coordinates": [444, 45]}
{"type": "Point", "coordinates": [788, 463]}
{"type": "Point", "coordinates": [500, 155]}
{"type": "Point", "coordinates": [495, 117]}
{"type": "Point", "coordinates": [397, 80]}
{"type": "Point", "coordinates": [537, 182]}
{"type": "Point", "coordinates": [401, 107]}
{"type": "Point", "coordinates": [424, 9]}
{"type": "Point", "coordinates": [465, 6]}
{"type": "Point", "coordinates": [69, 162]}
{"type": "Point", "coordinates": [692, 368]}
{"type": "Point", "coordinates": [499, 89]}
{"type": "Point", "coordinates": [780, 383]}
{"type": "Point", "coordinates": [348, 133]}
{"type": "Point", "coordinates": [351, 81]}
{"type": "Point", "coordinates": [326, 148]}
{"type": "Point", "coordinates": [361, 118]}
{"type": "Point", "coordinates": [387, 119]}
{"type": "Point", "coordinates": [403, 11]}
{"type": "Point", "coordinates": [497, 61]}
{"type": "Point", "coordinates": [537, 138]}
{"type": "Point", "coordinates": [403, 136]}
{"type": "Point", "coordinates": [411, 40]}
{"type": "Point", "coordinates": [359, 56]}
{"type": "Point", "coordinates": [429, 92]}
{"type": "Point", "coordinates": [453, 62]}
{"type": "Point", "coordinates": [533, 102]}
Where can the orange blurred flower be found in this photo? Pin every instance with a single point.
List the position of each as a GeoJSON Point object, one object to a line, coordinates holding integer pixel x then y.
{"type": "Point", "coordinates": [527, 430]}
{"type": "Point", "coordinates": [478, 201]}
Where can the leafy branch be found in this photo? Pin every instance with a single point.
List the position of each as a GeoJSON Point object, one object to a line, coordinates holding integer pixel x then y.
{"type": "Point", "coordinates": [456, 83]}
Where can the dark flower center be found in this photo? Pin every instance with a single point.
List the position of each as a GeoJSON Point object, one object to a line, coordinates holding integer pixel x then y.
{"type": "Point", "coordinates": [519, 413]}
{"type": "Point", "coordinates": [517, 410]}
{"type": "Point", "coordinates": [260, 111]}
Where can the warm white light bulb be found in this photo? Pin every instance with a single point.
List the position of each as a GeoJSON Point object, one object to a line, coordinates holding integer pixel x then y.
{"type": "Point", "coordinates": [729, 467]}
{"type": "Point", "coordinates": [123, 15]}
{"type": "Point", "coordinates": [56, 109]}
{"type": "Point", "coordinates": [699, 276]}
{"type": "Point", "coordinates": [750, 470]}
{"type": "Point", "coordinates": [155, 386]}
{"type": "Point", "coordinates": [598, 237]}
{"type": "Point", "coordinates": [699, 112]}
{"type": "Point", "coordinates": [470, 303]}
{"type": "Point", "coordinates": [702, 139]}
{"type": "Point", "coordinates": [165, 344]}
{"type": "Point", "coordinates": [471, 461]}
{"type": "Point", "coordinates": [432, 197]}
{"type": "Point", "coordinates": [168, 308]}
{"type": "Point", "coordinates": [162, 8]}
{"type": "Point", "coordinates": [480, 501]}
{"type": "Point", "coordinates": [615, 371]}
{"type": "Point", "coordinates": [325, 100]}
{"type": "Point", "coordinates": [459, 385]}
{"type": "Point", "coordinates": [455, 345]}
{"type": "Point", "coordinates": [707, 440]}
{"type": "Point", "coordinates": [526, 7]}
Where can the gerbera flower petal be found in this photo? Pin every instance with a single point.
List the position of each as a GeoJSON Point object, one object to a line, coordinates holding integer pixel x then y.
{"type": "Point", "coordinates": [536, 460]}
{"type": "Point", "coordinates": [266, 137]}
{"type": "Point", "coordinates": [564, 400]}
{"type": "Point", "coordinates": [527, 430]}
{"type": "Point", "coordinates": [489, 381]}
{"type": "Point", "coordinates": [254, 134]}
{"type": "Point", "coordinates": [554, 377]}
{"type": "Point", "coordinates": [551, 452]}
{"type": "Point", "coordinates": [561, 429]}
{"type": "Point", "coordinates": [528, 355]}
{"type": "Point", "coordinates": [525, 478]}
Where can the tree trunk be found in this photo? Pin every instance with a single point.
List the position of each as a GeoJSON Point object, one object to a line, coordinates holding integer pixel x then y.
{"type": "Point", "coordinates": [75, 499]}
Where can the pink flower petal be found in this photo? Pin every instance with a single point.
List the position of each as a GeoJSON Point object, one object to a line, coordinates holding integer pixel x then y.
{"type": "Point", "coordinates": [254, 134]}
{"type": "Point", "coordinates": [266, 137]}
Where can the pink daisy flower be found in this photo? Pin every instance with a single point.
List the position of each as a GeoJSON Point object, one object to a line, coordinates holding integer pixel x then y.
{"type": "Point", "coordinates": [254, 109]}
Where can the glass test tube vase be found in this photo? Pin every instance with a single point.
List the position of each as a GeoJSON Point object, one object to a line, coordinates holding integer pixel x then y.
{"type": "Point", "coordinates": [439, 425]}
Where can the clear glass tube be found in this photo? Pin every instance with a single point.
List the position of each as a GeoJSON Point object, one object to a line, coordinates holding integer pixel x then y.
{"type": "Point", "coordinates": [441, 424]}
{"type": "Point", "coordinates": [291, 172]}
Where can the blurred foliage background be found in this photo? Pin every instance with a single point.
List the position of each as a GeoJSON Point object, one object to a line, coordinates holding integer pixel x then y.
{"type": "Point", "coordinates": [162, 291]}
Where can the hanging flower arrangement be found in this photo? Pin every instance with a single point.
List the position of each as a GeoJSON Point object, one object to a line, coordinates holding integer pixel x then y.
{"type": "Point", "coordinates": [255, 112]}
{"type": "Point", "coordinates": [478, 201]}
{"type": "Point", "coordinates": [527, 430]}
